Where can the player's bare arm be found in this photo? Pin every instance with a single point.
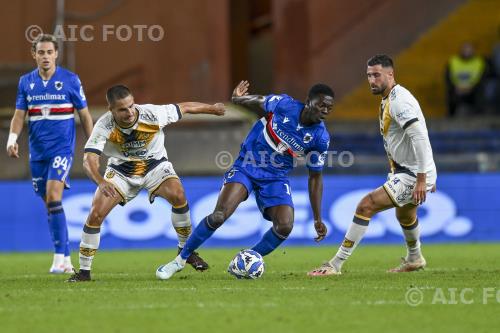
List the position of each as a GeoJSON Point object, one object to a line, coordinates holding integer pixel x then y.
{"type": "Point", "coordinates": [217, 109]}
{"type": "Point", "coordinates": [315, 185]}
{"type": "Point", "coordinates": [241, 97]}
{"type": "Point", "coordinates": [16, 126]}
{"type": "Point", "coordinates": [91, 167]}
{"type": "Point", "coordinates": [86, 120]}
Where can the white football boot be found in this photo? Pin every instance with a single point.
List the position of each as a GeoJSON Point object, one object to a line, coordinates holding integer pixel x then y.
{"type": "Point", "coordinates": [165, 272]}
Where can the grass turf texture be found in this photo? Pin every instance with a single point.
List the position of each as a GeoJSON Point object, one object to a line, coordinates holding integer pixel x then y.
{"type": "Point", "coordinates": [126, 297]}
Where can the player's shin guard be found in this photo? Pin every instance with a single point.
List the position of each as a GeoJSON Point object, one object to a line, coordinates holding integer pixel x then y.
{"type": "Point", "coordinates": [412, 238]}
{"type": "Point", "coordinates": [352, 238]}
{"type": "Point", "coordinates": [57, 226]}
{"type": "Point", "coordinates": [181, 221]}
{"type": "Point", "coordinates": [270, 241]}
{"type": "Point", "coordinates": [201, 233]}
{"type": "Point", "coordinates": [88, 246]}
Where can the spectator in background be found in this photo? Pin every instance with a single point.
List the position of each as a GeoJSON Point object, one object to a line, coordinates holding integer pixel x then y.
{"type": "Point", "coordinates": [464, 76]}
{"type": "Point", "coordinates": [492, 87]}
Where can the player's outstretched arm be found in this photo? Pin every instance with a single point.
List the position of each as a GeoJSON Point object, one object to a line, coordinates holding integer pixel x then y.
{"type": "Point", "coordinates": [91, 167]}
{"type": "Point", "coordinates": [86, 120]}
{"type": "Point", "coordinates": [241, 97]}
{"type": "Point", "coordinates": [217, 109]}
{"type": "Point", "coordinates": [315, 186]}
{"type": "Point", "coordinates": [16, 126]}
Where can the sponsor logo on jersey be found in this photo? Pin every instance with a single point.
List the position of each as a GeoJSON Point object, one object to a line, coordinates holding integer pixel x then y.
{"type": "Point", "coordinates": [289, 140]}
{"type": "Point", "coordinates": [32, 85]}
{"type": "Point", "coordinates": [286, 120]}
{"type": "Point", "coordinates": [46, 97]}
{"type": "Point", "coordinates": [392, 95]}
{"type": "Point", "coordinates": [307, 138]}
{"type": "Point", "coordinates": [148, 117]}
{"type": "Point", "coordinates": [110, 174]}
{"type": "Point", "coordinates": [45, 110]}
{"type": "Point", "coordinates": [231, 173]}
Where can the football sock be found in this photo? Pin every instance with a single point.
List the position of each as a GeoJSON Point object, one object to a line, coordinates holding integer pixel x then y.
{"type": "Point", "coordinates": [67, 251]}
{"type": "Point", "coordinates": [201, 233]}
{"type": "Point", "coordinates": [269, 241]}
{"type": "Point", "coordinates": [67, 262]}
{"type": "Point", "coordinates": [352, 238]}
{"type": "Point", "coordinates": [412, 237]}
{"type": "Point", "coordinates": [181, 221]}
{"type": "Point", "coordinates": [88, 246]}
{"type": "Point", "coordinates": [58, 261]}
{"type": "Point", "coordinates": [57, 226]}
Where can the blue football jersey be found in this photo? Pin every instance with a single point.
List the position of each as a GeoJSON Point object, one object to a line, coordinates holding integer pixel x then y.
{"type": "Point", "coordinates": [50, 106]}
{"type": "Point", "coordinates": [279, 137]}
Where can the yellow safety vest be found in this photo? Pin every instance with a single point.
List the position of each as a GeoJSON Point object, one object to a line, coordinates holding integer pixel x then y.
{"type": "Point", "coordinates": [466, 73]}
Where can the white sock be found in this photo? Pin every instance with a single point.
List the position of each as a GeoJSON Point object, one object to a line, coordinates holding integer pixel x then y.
{"type": "Point", "coordinates": [412, 238]}
{"type": "Point", "coordinates": [180, 261]}
{"type": "Point", "coordinates": [352, 238]}
{"type": "Point", "coordinates": [67, 262]}
{"type": "Point", "coordinates": [58, 260]}
{"type": "Point", "coordinates": [88, 246]}
{"type": "Point", "coordinates": [181, 220]}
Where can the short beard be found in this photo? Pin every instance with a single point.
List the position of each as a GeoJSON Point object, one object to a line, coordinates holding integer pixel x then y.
{"type": "Point", "coordinates": [379, 91]}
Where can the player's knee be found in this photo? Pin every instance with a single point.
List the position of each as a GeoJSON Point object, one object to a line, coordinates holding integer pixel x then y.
{"type": "Point", "coordinates": [365, 208]}
{"type": "Point", "coordinates": [216, 219]}
{"type": "Point", "coordinates": [52, 196]}
{"type": "Point", "coordinates": [95, 218]}
{"type": "Point", "coordinates": [283, 226]}
{"type": "Point", "coordinates": [178, 197]}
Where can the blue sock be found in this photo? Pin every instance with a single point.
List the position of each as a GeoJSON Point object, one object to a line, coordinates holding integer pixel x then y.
{"type": "Point", "coordinates": [67, 251]}
{"type": "Point", "coordinates": [270, 241]}
{"type": "Point", "coordinates": [57, 226]}
{"type": "Point", "coordinates": [200, 234]}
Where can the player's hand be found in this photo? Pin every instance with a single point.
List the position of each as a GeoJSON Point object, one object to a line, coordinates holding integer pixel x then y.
{"type": "Point", "coordinates": [321, 230]}
{"type": "Point", "coordinates": [13, 150]}
{"type": "Point", "coordinates": [219, 109]}
{"type": "Point", "coordinates": [107, 189]}
{"type": "Point", "coordinates": [419, 194]}
{"type": "Point", "coordinates": [241, 89]}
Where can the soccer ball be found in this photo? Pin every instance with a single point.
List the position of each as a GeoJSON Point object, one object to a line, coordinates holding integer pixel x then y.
{"type": "Point", "coordinates": [247, 264]}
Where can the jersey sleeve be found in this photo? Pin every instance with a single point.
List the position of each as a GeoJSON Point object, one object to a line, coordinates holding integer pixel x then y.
{"type": "Point", "coordinates": [77, 94]}
{"type": "Point", "coordinates": [271, 102]}
{"type": "Point", "coordinates": [316, 157]}
{"type": "Point", "coordinates": [21, 96]}
{"type": "Point", "coordinates": [98, 138]}
{"type": "Point", "coordinates": [404, 113]}
{"type": "Point", "coordinates": [167, 114]}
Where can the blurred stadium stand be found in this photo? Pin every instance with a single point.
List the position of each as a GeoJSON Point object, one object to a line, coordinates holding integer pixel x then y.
{"type": "Point", "coordinates": [280, 46]}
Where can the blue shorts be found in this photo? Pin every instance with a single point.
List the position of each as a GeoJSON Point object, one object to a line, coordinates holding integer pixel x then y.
{"type": "Point", "coordinates": [269, 192]}
{"type": "Point", "coordinates": [56, 168]}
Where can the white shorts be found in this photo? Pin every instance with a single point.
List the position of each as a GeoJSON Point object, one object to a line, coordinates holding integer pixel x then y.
{"type": "Point", "coordinates": [129, 187]}
{"type": "Point", "coordinates": [400, 187]}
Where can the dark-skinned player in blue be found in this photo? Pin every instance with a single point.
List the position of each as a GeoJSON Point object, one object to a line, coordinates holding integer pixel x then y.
{"type": "Point", "coordinates": [289, 130]}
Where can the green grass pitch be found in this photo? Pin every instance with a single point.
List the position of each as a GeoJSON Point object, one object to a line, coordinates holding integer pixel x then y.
{"type": "Point", "coordinates": [459, 292]}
